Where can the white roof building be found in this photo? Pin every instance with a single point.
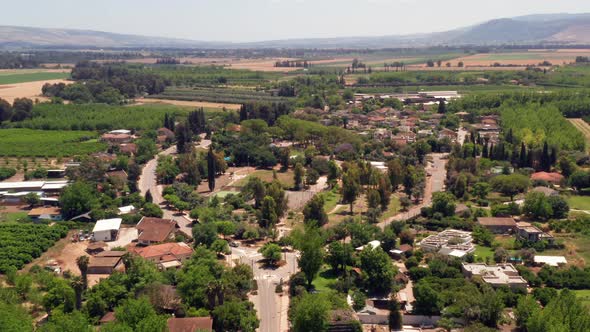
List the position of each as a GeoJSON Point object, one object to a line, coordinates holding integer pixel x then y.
{"type": "Point", "coordinates": [374, 244]}
{"type": "Point", "coordinates": [120, 132]}
{"type": "Point", "coordinates": [126, 209]}
{"type": "Point", "coordinates": [106, 229]}
{"type": "Point", "coordinates": [550, 260]}
{"type": "Point", "coordinates": [495, 275]}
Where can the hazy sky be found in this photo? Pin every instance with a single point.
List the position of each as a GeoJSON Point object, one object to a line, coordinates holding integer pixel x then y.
{"type": "Point", "coordinates": [253, 20]}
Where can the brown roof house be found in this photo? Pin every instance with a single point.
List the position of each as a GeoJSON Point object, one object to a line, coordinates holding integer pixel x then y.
{"type": "Point", "coordinates": [497, 225]}
{"type": "Point", "coordinates": [190, 324]}
{"type": "Point", "coordinates": [527, 232]}
{"type": "Point", "coordinates": [106, 262]}
{"type": "Point", "coordinates": [166, 255]}
{"type": "Point", "coordinates": [554, 178]}
{"type": "Point", "coordinates": [45, 213]}
{"type": "Point", "coordinates": [116, 138]}
{"type": "Point", "coordinates": [155, 230]}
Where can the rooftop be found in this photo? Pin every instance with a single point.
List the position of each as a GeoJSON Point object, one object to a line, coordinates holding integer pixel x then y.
{"type": "Point", "coordinates": [52, 210]}
{"type": "Point", "coordinates": [107, 225]}
{"type": "Point", "coordinates": [496, 221]}
{"type": "Point", "coordinates": [550, 260]}
{"type": "Point", "coordinates": [501, 274]}
{"type": "Point", "coordinates": [190, 324]}
{"type": "Point", "coordinates": [161, 250]}
{"type": "Point", "coordinates": [155, 229]}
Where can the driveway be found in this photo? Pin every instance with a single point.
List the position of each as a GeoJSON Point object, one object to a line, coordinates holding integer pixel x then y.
{"type": "Point", "coordinates": [126, 237]}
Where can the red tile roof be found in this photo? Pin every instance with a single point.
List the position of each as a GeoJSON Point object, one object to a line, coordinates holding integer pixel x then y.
{"type": "Point", "coordinates": [166, 251]}
{"type": "Point", "coordinates": [493, 221]}
{"type": "Point", "coordinates": [549, 177]}
{"type": "Point", "coordinates": [190, 324]}
{"type": "Point", "coordinates": [155, 229]}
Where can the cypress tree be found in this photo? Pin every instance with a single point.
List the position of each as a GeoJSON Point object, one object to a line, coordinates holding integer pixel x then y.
{"type": "Point", "coordinates": [211, 169]}
{"type": "Point", "coordinates": [484, 153]}
{"type": "Point", "coordinates": [523, 156]}
{"type": "Point", "coordinates": [442, 107]}
{"type": "Point", "coordinates": [545, 158]}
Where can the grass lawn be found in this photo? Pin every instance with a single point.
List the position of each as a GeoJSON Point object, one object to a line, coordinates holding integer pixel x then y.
{"type": "Point", "coordinates": [222, 194]}
{"type": "Point", "coordinates": [325, 280]}
{"type": "Point", "coordinates": [15, 78]}
{"type": "Point", "coordinates": [484, 252]}
{"type": "Point", "coordinates": [331, 199]}
{"type": "Point", "coordinates": [13, 216]}
{"type": "Point", "coordinates": [584, 296]}
{"type": "Point", "coordinates": [579, 202]}
{"type": "Point", "coordinates": [392, 209]}
{"type": "Point", "coordinates": [286, 178]}
{"type": "Point", "coordinates": [505, 241]}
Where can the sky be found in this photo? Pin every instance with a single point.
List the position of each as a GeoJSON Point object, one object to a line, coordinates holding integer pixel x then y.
{"type": "Point", "coordinates": [258, 20]}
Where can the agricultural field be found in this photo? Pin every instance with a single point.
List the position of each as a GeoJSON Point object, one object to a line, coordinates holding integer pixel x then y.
{"type": "Point", "coordinates": [285, 178]}
{"type": "Point", "coordinates": [579, 202]}
{"type": "Point", "coordinates": [212, 76]}
{"type": "Point", "coordinates": [31, 90]}
{"type": "Point", "coordinates": [187, 103]}
{"type": "Point", "coordinates": [99, 117]}
{"type": "Point", "coordinates": [218, 95]}
{"type": "Point", "coordinates": [44, 143]}
{"type": "Point", "coordinates": [31, 75]}
{"type": "Point", "coordinates": [584, 128]}
{"type": "Point", "coordinates": [21, 243]}
{"type": "Point", "coordinates": [522, 59]}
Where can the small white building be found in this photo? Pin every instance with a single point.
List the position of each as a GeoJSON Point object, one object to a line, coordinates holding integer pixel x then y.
{"type": "Point", "coordinates": [126, 209]}
{"type": "Point", "coordinates": [106, 229]}
{"type": "Point", "coordinates": [550, 260]}
{"type": "Point", "coordinates": [373, 244]}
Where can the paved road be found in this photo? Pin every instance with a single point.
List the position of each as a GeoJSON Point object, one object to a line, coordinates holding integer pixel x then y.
{"type": "Point", "coordinates": [271, 308]}
{"type": "Point", "coordinates": [148, 181]}
{"type": "Point", "coordinates": [435, 183]}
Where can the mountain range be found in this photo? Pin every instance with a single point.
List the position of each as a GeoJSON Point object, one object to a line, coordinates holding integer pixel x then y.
{"type": "Point", "coordinates": [567, 29]}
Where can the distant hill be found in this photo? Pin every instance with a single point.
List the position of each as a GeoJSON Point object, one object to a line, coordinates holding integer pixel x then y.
{"type": "Point", "coordinates": [531, 29]}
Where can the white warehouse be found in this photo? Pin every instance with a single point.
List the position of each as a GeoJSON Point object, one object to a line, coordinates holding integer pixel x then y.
{"type": "Point", "coordinates": [107, 229]}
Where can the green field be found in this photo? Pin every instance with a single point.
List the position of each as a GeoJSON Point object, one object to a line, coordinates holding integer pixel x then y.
{"type": "Point", "coordinates": [285, 178]}
{"type": "Point", "coordinates": [13, 78]}
{"type": "Point", "coordinates": [13, 216]}
{"type": "Point", "coordinates": [41, 143]}
{"type": "Point", "coordinates": [483, 253]}
{"type": "Point", "coordinates": [579, 202]}
{"type": "Point", "coordinates": [100, 117]}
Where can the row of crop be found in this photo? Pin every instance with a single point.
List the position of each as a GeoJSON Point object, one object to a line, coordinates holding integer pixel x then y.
{"type": "Point", "coordinates": [40, 143]}
{"type": "Point", "coordinates": [232, 96]}
{"type": "Point", "coordinates": [21, 243]}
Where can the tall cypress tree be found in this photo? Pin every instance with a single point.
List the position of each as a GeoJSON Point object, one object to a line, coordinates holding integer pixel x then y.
{"type": "Point", "coordinates": [545, 158]}
{"type": "Point", "coordinates": [211, 168]}
{"type": "Point", "coordinates": [523, 157]}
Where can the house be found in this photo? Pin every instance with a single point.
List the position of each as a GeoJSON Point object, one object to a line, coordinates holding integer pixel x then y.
{"type": "Point", "coordinates": [45, 213]}
{"type": "Point", "coordinates": [546, 191]}
{"type": "Point", "coordinates": [116, 138]}
{"type": "Point", "coordinates": [190, 324]}
{"type": "Point", "coordinates": [166, 255]}
{"type": "Point", "coordinates": [128, 148]}
{"type": "Point", "coordinates": [553, 178]}
{"type": "Point", "coordinates": [448, 239]}
{"type": "Point", "coordinates": [107, 229]}
{"type": "Point", "coordinates": [126, 209]}
{"type": "Point", "coordinates": [119, 176]}
{"type": "Point", "coordinates": [497, 225]}
{"type": "Point", "coordinates": [550, 260]}
{"type": "Point", "coordinates": [41, 187]}
{"type": "Point", "coordinates": [495, 275]}
{"type": "Point", "coordinates": [155, 230]}
{"type": "Point", "coordinates": [447, 133]}
{"type": "Point", "coordinates": [120, 132]}
{"type": "Point", "coordinates": [373, 244]}
{"type": "Point", "coordinates": [106, 262]}
{"type": "Point", "coordinates": [403, 250]}
{"type": "Point", "coordinates": [527, 232]}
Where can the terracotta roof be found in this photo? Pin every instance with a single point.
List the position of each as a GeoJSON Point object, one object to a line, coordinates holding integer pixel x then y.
{"type": "Point", "coordinates": [117, 174]}
{"type": "Point", "coordinates": [54, 211]}
{"type": "Point", "coordinates": [549, 177]}
{"type": "Point", "coordinates": [111, 253]}
{"type": "Point", "coordinates": [405, 247]}
{"type": "Point", "coordinates": [493, 221]}
{"type": "Point", "coordinates": [165, 132]}
{"type": "Point", "coordinates": [166, 251]}
{"type": "Point", "coordinates": [108, 317]}
{"type": "Point", "coordinates": [128, 148]}
{"type": "Point", "coordinates": [155, 229]}
{"type": "Point", "coordinates": [190, 324]}
{"type": "Point", "coordinates": [115, 136]}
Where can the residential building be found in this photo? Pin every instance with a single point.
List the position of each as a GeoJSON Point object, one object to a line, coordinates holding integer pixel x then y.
{"type": "Point", "coordinates": [546, 191]}
{"type": "Point", "coordinates": [550, 260]}
{"type": "Point", "coordinates": [106, 262]}
{"type": "Point", "coordinates": [116, 138]}
{"type": "Point", "coordinates": [495, 275]}
{"type": "Point", "coordinates": [497, 225]}
{"type": "Point", "coordinates": [155, 230]}
{"type": "Point", "coordinates": [190, 324]}
{"type": "Point", "coordinates": [106, 229]}
{"type": "Point", "coordinates": [45, 213]}
{"type": "Point", "coordinates": [527, 232]}
{"type": "Point", "coordinates": [448, 133]}
{"type": "Point", "coordinates": [166, 255]}
{"type": "Point", "coordinates": [449, 242]}
{"type": "Point", "coordinates": [553, 178]}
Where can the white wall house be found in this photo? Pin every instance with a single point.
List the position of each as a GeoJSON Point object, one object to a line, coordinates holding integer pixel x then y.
{"type": "Point", "coordinates": [107, 229]}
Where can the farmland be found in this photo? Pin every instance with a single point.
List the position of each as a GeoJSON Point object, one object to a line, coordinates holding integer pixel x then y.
{"type": "Point", "coordinates": [29, 143]}
{"type": "Point", "coordinates": [584, 128]}
{"type": "Point", "coordinates": [218, 95]}
{"type": "Point", "coordinates": [99, 117]}
{"type": "Point", "coordinates": [523, 58]}
{"type": "Point", "coordinates": [21, 243]}
{"type": "Point", "coordinates": [23, 76]}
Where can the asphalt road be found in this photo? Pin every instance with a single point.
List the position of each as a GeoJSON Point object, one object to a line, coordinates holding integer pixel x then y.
{"type": "Point", "coordinates": [271, 308]}
{"type": "Point", "coordinates": [436, 183]}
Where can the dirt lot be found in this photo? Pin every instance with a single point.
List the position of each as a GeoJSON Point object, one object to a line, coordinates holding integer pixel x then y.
{"type": "Point", "coordinates": [64, 252]}
{"type": "Point", "coordinates": [30, 90]}
{"type": "Point", "coordinates": [187, 103]}
{"type": "Point", "coordinates": [532, 57]}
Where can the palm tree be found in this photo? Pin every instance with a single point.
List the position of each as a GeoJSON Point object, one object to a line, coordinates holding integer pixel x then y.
{"type": "Point", "coordinates": [82, 262]}
{"type": "Point", "coordinates": [78, 285]}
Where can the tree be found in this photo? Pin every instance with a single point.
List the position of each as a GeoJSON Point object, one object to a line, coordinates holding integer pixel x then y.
{"type": "Point", "coordinates": [373, 199]}
{"type": "Point", "coordinates": [395, 317]}
{"type": "Point", "coordinates": [559, 206]}
{"type": "Point", "coordinates": [235, 316]}
{"type": "Point", "coordinates": [314, 211]}
{"type": "Point", "coordinates": [384, 189]}
{"type": "Point", "coordinates": [481, 190]}
{"type": "Point", "coordinates": [428, 301]}
{"type": "Point", "coordinates": [377, 269]}
{"type": "Point", "coordinates": [526, 307]}
{"type": "Point", "coordinates": [268, 215]}
{"type": "Point", "coordinates": [32, 199]}
{"type": "Point", "coordinates": [135, 313]}
{"type": "Point", "coordinates": [256, 189]}
{"type": "Point", "coordinates": [510, 185]}
{"type": "Point", "coordinates": [298, 175]}
{"type": "Point", "coordinates": [14, 318]}
{"type": "Point", "coordinates": [395, 172]}
{"type": "Point", "coordinates": [563, 313]}
{"type": "Point", "coordinates": [580, 180]}
{"type": "Point", "coordinates": [152, 210]}
{"type": "Point", "coordinates": [211, 171]}
{"type": "Point", "coordinates": [312, 254]}
{"type": "Point", "coordinates": [444, 203]}
{"type": "Point", "coordinates": [350, 187]}
{"type": "Point", "coordinates": [76, 199]}
{"type": "Point", "coordinates": [537, 205]}
{"type": "Point", "coordinates": [442, 107]}
{"type": "Point", "coordinates": [310, 313]}
{"type": "Point", "coordinates": [204, 234]}
{"type": "Point", "coordinates": [71, 322]}
{"type": "Point", "coordinates": [220, 246]}
{"type": "Point", "coordinates": [501, 255]}
{"type": "Point", "coordinates": [82, 263]}
{"type": "Point", "coordinates": [339, 255]}
{"type": "Point", "coordinates": [271, 252]}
